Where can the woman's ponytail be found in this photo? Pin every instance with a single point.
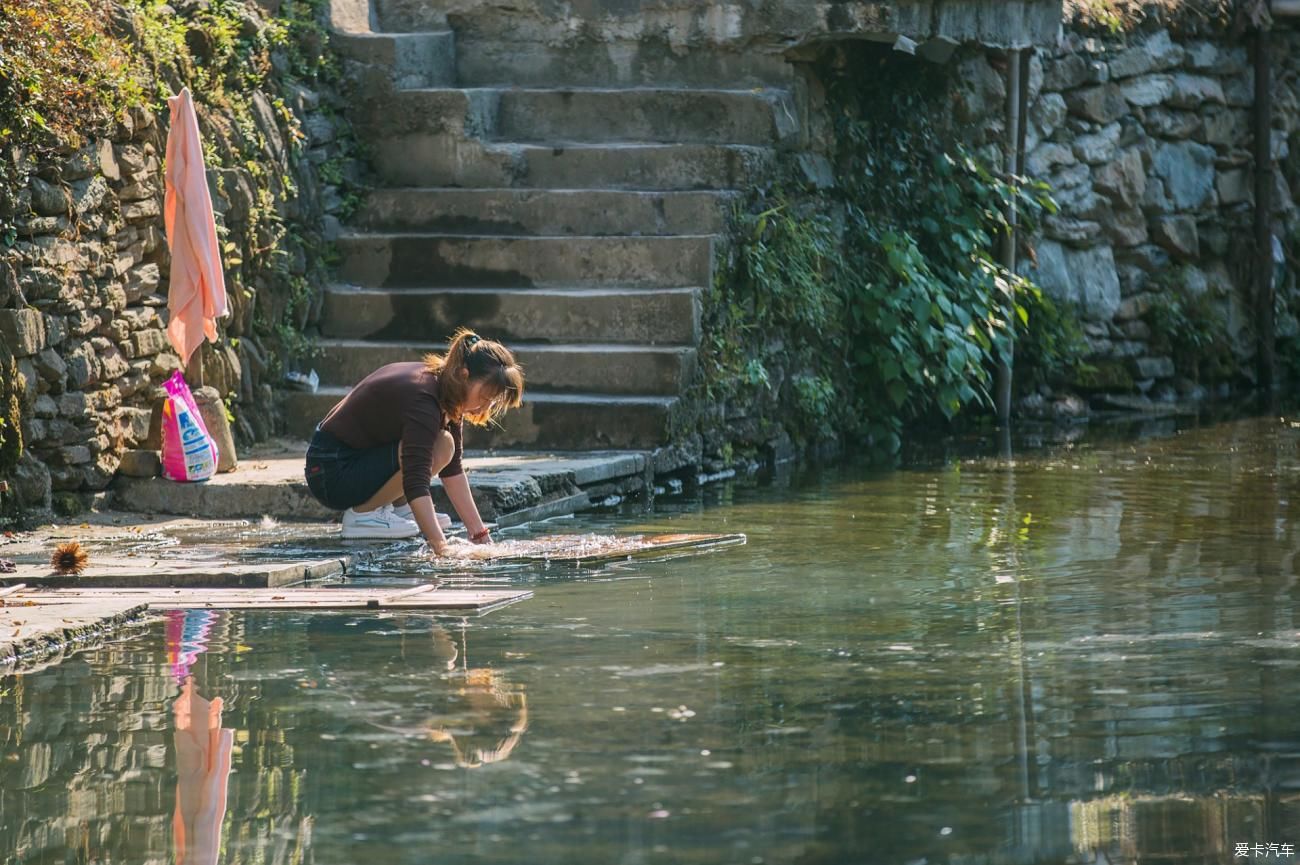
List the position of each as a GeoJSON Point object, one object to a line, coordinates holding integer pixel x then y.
{"type": "Point", "coordinates": [487, 361]}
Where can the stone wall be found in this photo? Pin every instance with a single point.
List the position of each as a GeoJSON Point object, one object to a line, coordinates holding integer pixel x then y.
{"type": "Point", "coordinates": [1147, 143]}
{"type": "Point", "coordinates": [84, 277]}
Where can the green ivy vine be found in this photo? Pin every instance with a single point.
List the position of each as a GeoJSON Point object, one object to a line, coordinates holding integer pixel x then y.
{"type": "Point", "coordinates": [879, 304]}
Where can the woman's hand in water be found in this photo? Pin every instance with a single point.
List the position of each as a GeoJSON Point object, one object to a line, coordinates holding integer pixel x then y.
{"type": "Point", "coordinates": [448, 548]}
{"type": "Point", "coordinates": [440, 549]}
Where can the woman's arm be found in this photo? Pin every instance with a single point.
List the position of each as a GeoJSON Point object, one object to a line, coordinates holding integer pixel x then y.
{"type": "Point", "coordinates": [457, 487]}
{"type": "Point", "coordinates": [422, 510]}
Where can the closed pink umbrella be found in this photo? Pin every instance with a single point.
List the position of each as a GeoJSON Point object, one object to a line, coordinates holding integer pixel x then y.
{"type": "Point", "coordinates": [196, 296]}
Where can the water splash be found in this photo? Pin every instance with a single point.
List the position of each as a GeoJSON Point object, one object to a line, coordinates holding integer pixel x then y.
{"type": "Point", "coordinates": [547, 548]}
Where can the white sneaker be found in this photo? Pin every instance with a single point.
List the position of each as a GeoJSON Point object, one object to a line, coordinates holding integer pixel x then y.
{"type": "Point", "coordinates": [404, 511]}
{"type": "Point", "coordinates": [379, 523]}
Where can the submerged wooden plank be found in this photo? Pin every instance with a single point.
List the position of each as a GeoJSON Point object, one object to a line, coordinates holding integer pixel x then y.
{"type": "Point", "coordinates": [594, 549]}
{"type": "Point", "coordinates": [418, 598]}
{"type": "Point", "coordinates": [418, 590]}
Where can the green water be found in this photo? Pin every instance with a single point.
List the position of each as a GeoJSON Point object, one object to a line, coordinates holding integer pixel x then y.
{"type": "Point", "coordinates": [1086, 653]}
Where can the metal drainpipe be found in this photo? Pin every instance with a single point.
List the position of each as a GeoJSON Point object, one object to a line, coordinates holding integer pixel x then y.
{"type": "Point", "coordinates": [1265, 361]}
{"type": "Point", "coordinates": [1011, 149]}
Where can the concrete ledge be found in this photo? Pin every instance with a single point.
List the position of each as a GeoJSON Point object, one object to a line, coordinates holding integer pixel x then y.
{"type": "Point", "coordinates": [31, 635]}
{"type": "Point", "coordinates": [546, 510]}
{"type": "Point", "coordinates": [499, 261]}
{"type": "Point", "coordinates": [715, 25]}
{"type": "Point", "coordinates": [544, 211]}
{"type": "Point", "coordinates": [587, 467]}
{"type": "Point", "coordinates": [110, 571]}
{"type": "Point", "coordinates": [269, 482]}
{"type": "Point", "coordinates": [226, 496]}
{"type": "Point", "coordinates": [561, 315]}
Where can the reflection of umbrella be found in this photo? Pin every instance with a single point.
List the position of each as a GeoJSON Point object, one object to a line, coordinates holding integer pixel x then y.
{"type": "Point", "coordinates": [196, 295]}
{"type": "Point", "coordinates": [202, 774]}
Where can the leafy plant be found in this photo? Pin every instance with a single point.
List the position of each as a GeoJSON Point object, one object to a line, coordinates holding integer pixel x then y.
{"type": "Point", "coordinates": [930, 306]}
{"type": "Point", "coordinates": [63, 74]}
{"type": "Point", "coordinates": [879, 303]}
{"type": "Point", "coordinates": [777, 307]}
{"type": "Point", "coordinates": [1190, 329]}
{"type": "Point", "coordinates": [1107, 14]}
{"type": "Point", "coordinates": [1122, 17]}
{"type": "Point", "coordinates": [1050, 344]}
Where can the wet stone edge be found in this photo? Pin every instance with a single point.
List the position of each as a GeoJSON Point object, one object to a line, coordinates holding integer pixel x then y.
{"type": "Point", "coordinates": [18, 655]}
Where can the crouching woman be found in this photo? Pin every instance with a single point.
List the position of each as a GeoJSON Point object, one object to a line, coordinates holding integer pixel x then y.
{"type": "Point", "coordinates": [375, 453]}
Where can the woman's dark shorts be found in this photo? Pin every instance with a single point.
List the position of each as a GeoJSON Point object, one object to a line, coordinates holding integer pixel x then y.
{"type": "Point", "coordinates": [342, 477]}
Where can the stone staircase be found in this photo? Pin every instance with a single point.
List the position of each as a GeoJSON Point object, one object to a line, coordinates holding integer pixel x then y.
{"type": "Point", "coordinates": [562, 199]}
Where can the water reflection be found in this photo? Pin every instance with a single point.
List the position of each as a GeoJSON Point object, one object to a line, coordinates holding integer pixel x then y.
{"type": "Point", "coordinates": [1075, 655]}
{"type": "Point", "coordinates": [203, 750]}
{"type": "Point", "coordinates": [214, 737]}
{"type": "Point", "coordinates": [475, 711]}
{"type": "Point", "coordinates": [187, 633]}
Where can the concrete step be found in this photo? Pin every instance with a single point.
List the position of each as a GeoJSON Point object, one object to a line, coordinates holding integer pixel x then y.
{"type": "Point", "coordinates": [398, 260]}
{"type": "Point", "coordinates": [415, 60]}
{"type": "Point", "coordinates": [678, 115]}
{"type": "Point", "coordinates": [578, 368]}
{"type": "Point", "coordinates": [545, 420]}
{"type": "Point", "coordinates": [468, 112]}
{"type": "Point", "coordinates": [550, 211]}
{"type": "Point", "coordinates": [621, 63]}
{"type": "Point", "coordinates": [614, 315]}
{"type": "Point", "coordinates": [448, 159]}
{"type": "Point", "coordinates": [761, 117]}
{"type": "Point", "coordinates": [401, 16]}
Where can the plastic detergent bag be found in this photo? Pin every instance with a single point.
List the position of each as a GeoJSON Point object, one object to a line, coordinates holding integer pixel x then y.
{"type": "Point", "coordinates": [188, 452]}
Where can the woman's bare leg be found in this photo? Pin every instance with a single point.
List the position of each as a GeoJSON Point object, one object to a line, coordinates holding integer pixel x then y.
{"type": "Point", "coordinates": [391, 491]}
{"type": "Point", "coordinates": [392, 487]}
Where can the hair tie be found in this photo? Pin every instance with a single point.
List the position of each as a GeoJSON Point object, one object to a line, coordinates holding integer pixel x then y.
{"type": "Point", "coordinates": [472, 340]}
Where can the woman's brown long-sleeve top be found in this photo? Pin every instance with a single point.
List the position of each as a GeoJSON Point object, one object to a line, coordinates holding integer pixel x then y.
{"type": "Point", "coordinates": [398, 403]}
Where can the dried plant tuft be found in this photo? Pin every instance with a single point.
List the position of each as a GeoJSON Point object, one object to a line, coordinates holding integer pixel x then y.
{"type": "Point", "coordinates": [69, 558]}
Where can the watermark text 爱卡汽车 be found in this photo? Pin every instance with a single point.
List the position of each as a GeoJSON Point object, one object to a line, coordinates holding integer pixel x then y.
{"type": "Point", "coordinates": [1264, 851]}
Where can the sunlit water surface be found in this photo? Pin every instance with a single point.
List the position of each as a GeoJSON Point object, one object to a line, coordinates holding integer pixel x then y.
{"type": "Point", "coordinates": [1085, 653]}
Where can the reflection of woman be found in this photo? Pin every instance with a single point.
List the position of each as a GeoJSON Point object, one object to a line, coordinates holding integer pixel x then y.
{"type": "Point", "coordinates": [203, 752]}
{"type": "Point", "coordinates": [487, 698]}
{"type": "Point", "coordinates": [487, 717]}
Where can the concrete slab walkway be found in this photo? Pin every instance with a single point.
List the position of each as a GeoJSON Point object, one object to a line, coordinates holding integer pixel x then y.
{"type": "Point", "coordinates": [32, 632]}
{"type": "Point", "coordinates": [38, 624]}
{"type": "Point", "coordinates": [127, 549]}
{"type": "Point", "coordinates": [426, 596]}
{"type": "Point", "coordinates": [509, 487]}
